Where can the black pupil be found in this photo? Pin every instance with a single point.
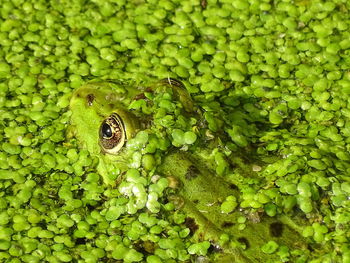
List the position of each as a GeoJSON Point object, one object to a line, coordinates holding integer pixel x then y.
{"type": "Point", "coordinates": [106, 130]}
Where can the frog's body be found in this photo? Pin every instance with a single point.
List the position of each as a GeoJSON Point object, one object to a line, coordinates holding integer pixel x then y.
{"type": "Point", "coordinates": [201, 192]}
{"type": "Point", "coordinates": [201, 196]}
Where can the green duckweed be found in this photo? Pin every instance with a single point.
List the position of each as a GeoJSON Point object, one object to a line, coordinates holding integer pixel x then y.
{"type": "Point", "coordinates": [270, 80]}
{"type": "Point", "coordinates": [269, 247]}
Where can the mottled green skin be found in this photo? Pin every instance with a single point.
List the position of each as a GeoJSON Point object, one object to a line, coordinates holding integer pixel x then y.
{"type": "Point", "coordinates": [200, 191]}
{"type": "Point", "coordinates": [200, 197]}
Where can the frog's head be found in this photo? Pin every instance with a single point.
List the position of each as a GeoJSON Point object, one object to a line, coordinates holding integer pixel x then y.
{"type": "Point", "coordinates": [100, 116]}
{"type": "Point", "coordinates": [103, 121]}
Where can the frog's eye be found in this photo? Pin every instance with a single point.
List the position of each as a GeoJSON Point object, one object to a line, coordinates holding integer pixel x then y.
{"type": "Point", "coordinates": [112, 134]}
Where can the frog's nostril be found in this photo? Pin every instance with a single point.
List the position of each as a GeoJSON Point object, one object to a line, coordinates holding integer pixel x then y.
{"type": "Point", "coordinates": [90, 99]}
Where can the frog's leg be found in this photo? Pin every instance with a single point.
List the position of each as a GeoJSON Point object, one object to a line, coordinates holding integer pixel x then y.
{"type": "Point", "coordinates": [200, 196]}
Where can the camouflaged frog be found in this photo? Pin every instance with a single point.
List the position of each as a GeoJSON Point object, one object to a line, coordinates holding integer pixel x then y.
{"type": "Point", "coordinates": [108, 119]}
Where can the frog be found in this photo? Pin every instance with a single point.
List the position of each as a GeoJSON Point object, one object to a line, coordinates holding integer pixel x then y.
{"type": "Point", "coordinates": [107, 116]}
